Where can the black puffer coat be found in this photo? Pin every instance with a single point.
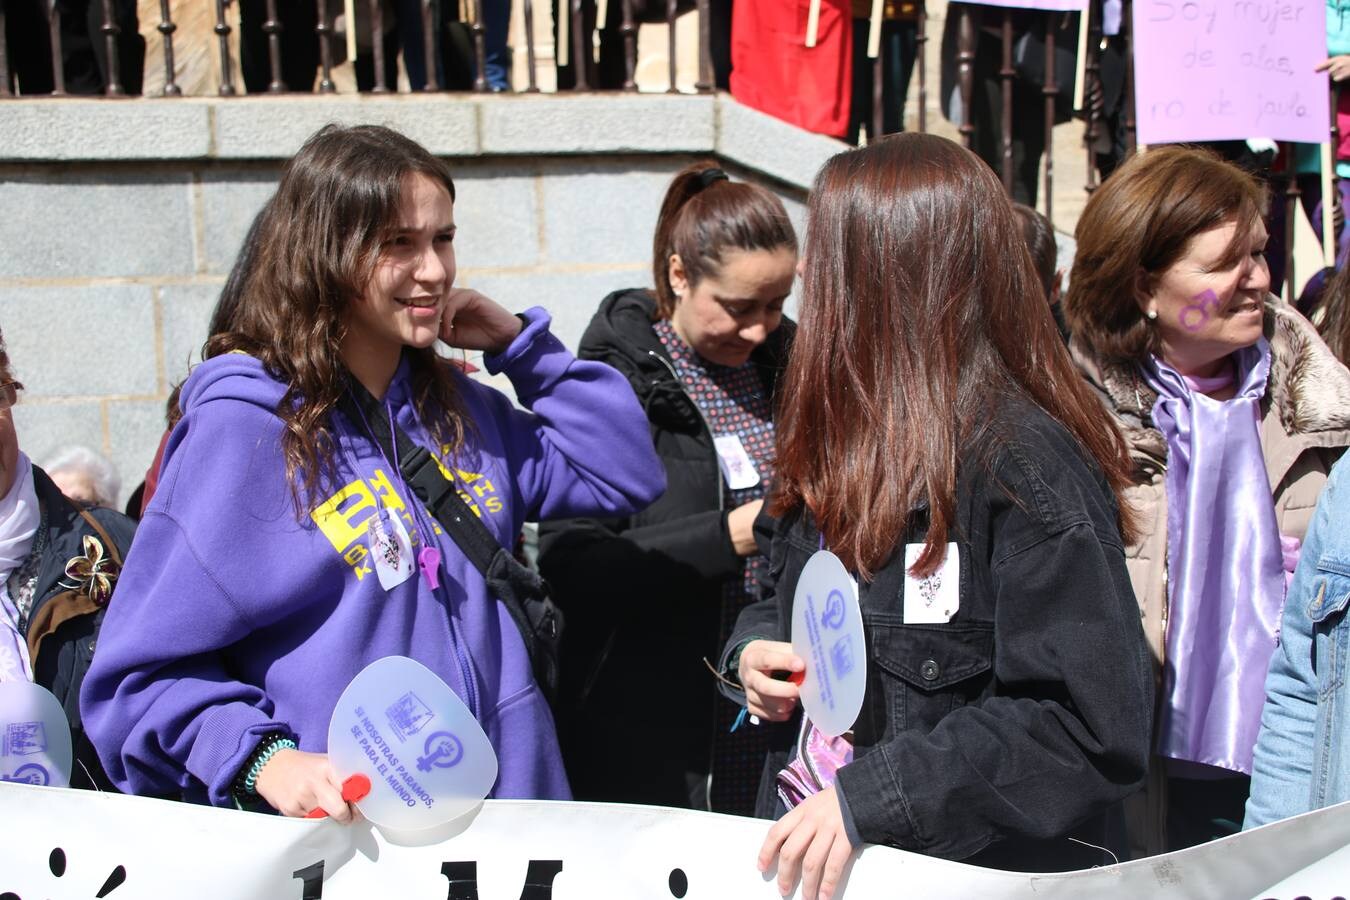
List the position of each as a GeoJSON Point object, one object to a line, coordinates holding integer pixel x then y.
{"type": "Point", "coordinates": [642, 594]}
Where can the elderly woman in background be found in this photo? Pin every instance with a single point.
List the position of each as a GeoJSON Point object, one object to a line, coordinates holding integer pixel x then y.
{"type": "Point", "coordinates": [1235, 412]}
{"type": "Point", "coordinates": [58, 566]}
{"type": "Point", "coordinates": [84, 476]}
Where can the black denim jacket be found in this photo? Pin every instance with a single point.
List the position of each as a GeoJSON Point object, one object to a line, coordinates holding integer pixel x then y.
{"type": "Point", "coordinates": [1022, 722]}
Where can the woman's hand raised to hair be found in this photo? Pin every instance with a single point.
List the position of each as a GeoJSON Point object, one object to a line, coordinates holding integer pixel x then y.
{"type": "Point", "coordinates": [765, 696]}
{"type": "Point", "coordinates": [295, 783]}
{"type": "Point", "coordinates": [473, 322]}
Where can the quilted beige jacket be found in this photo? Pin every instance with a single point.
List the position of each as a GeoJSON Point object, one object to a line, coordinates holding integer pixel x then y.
{"type": "Point", "coordinates": [1305, 426]}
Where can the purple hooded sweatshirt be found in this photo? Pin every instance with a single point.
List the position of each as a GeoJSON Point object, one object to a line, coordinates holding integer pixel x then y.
{"type": "Point", "coordinates": [233, 619]}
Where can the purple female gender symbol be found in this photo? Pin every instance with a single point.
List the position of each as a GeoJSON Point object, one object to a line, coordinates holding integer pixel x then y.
{"type": "Point", "coordinates": [1204, 305]}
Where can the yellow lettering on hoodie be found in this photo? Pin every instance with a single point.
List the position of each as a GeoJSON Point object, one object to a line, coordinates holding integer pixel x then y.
{"type": "Point", "coordinates": [343, 518]}
{"type": "Point", "coordinates": [344, 522]}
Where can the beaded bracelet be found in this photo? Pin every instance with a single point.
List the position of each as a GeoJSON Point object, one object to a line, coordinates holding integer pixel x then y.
{"type": "Point", "coordinates": [268, 747]}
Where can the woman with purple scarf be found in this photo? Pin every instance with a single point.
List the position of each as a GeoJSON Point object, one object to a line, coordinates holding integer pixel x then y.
{"type": "Point", "coordinates": [1235, 411]}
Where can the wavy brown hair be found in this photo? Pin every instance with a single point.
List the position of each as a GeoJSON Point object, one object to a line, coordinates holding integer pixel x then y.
{"type": "Point", "coordinates": [705, 214]}
{"type": "Point", "coordinates": [920, 310]}
{"type": "Point", "coordinates": [1334, 321]}
{"type": "Point", "coordinates": [1140, 222]}
{"type": "Point", "coordinates": [316, 246]}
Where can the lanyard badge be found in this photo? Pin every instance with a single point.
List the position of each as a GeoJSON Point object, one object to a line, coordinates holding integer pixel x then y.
{"type": "Point", "coordinates": [390, 549]}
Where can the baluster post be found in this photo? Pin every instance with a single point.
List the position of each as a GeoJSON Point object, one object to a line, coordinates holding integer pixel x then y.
{"type": "Point", "coordinates": [324, 29]}
{"type": "Point", "coordinates": [965, 62]}
{"type": "Point", "coordinates": [671, 11]}
{"type": "Point", "coordinates": [921, 42]}
{"type": "Point", "coordinates": [479, 48]}
{"type": "Point", "coordinates": [878, 104]}
{"type": "Point", "coordinates": [54, 36]}
{"type": "Point", "coordinates": [581, 42]}
{"type": "Point", "coordinates": [166, 28]}
{"type": "Point", "coordinates": [377, 46]}
{"type": "Point", "coordinates": [1051, 91]}
{"type": "Point", "coordinates": [429, 46]}
{"type": "Point", "coordinates": [629, 31]}
{"type": "Point", "coordinates": [1092, 67]}
{"type": "Point", "coordinates": [1127, 29]}
{"type": "Point", "coordinates": [5, 89]}
{"type": "Point", "coordinates": [1006, 74]}
{"type": "Point", "coordinates": [111, 31]}
{"type": "Point", "coordinates": [222, 31]}
{"type": "Point", "coordinates": [705, 66]}
{"type": "Point", "coordinates": [272, 28]}
{"type": "Point", "coordinates": [533, 85]}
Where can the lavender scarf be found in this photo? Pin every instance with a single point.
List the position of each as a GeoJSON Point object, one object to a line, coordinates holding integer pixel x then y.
{"type": "Point", "coordinates": [20, 516]}
{"type": "Point", "coordinates": [1225, 565]}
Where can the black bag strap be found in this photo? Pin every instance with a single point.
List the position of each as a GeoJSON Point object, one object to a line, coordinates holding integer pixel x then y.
{"type": "Point", "coordinates": [521, 591]}
{"type": "Point", "coordinates": [423, 475]}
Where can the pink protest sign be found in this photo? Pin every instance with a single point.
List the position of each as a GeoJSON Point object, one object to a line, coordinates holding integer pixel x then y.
{"type": "Point", "coordinates": [1059, 5]}
{"type": "Point", "coordinates": [1211, 70]}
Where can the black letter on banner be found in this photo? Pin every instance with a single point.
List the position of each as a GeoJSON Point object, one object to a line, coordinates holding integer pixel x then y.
{"type": "Point", "coordinates": [539, 879]}
{"type": "Point", "coordinates": [311, 881]}
{"type": "Point", "coordinates": [463, 878]}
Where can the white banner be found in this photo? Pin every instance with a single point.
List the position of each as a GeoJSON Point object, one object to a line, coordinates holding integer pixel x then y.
{"type": "Point", "coordinates": [59, 843]}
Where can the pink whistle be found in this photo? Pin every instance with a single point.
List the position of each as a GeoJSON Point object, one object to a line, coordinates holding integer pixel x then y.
{"type": "Point", "coordinates": [429, 561]}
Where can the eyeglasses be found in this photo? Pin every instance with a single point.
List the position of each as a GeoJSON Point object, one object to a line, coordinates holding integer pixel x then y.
{"type": "Point", "coordinates": [9, 393]}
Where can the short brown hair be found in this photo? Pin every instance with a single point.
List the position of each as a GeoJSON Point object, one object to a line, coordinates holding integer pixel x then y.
{"type": "Point", "coordinates": [1141, 220]}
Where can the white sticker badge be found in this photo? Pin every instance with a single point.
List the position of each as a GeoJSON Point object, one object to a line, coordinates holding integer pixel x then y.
{"type": "Point", "coordinates": [934, 599]}
{"type": "Point", "coordinates": [737, 467]}
{"type": "Point", "coordinates": [390, 548]}
{"type": "Point", "coordinates": [427, 758]}
{"type": "Point", "coordinates": [827, 632]}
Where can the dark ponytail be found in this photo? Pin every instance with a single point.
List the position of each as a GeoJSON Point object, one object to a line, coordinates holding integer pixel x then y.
{"type": "Point", "coordinates": [706, 214]}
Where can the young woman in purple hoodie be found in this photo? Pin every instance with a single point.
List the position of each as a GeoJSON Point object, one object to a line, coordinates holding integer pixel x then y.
{"type": "Point", "coordinates": [254, 593]}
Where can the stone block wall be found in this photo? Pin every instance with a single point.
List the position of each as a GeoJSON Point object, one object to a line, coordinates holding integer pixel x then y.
{"type": "Point", "coordinates": [111, 259]}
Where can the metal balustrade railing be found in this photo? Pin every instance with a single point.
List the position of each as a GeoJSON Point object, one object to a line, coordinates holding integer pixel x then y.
{"type": "Point", "coordinates": [575, 29]}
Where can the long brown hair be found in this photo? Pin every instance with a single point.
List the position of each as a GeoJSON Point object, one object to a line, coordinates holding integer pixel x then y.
{"type": "Point", "coordinates": [920, 306]}
{"type": "Point", "coordinates": [315, 247]}
{"type": "Point", "coordinates": [1141, 220]}
{"type": "Point", "coordinates": [1334, 322]}
{"type": "Point", "coordinates": [705, 214]}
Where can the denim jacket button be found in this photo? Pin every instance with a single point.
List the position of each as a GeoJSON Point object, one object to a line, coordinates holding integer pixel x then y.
{"type": "Point", "coordinates": [929, 670]}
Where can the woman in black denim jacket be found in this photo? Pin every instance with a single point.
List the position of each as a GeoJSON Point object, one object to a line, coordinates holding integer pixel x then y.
{"type": "Point", "coordinates": [1007, 733]}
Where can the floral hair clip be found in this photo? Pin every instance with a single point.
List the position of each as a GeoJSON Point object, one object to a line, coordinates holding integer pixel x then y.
{"type": "Point", "coordinates": [93, 574]}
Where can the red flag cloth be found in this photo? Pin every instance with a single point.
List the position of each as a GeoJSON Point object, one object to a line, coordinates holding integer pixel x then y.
{"type": "Point", "coordinates": [773, 71]}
